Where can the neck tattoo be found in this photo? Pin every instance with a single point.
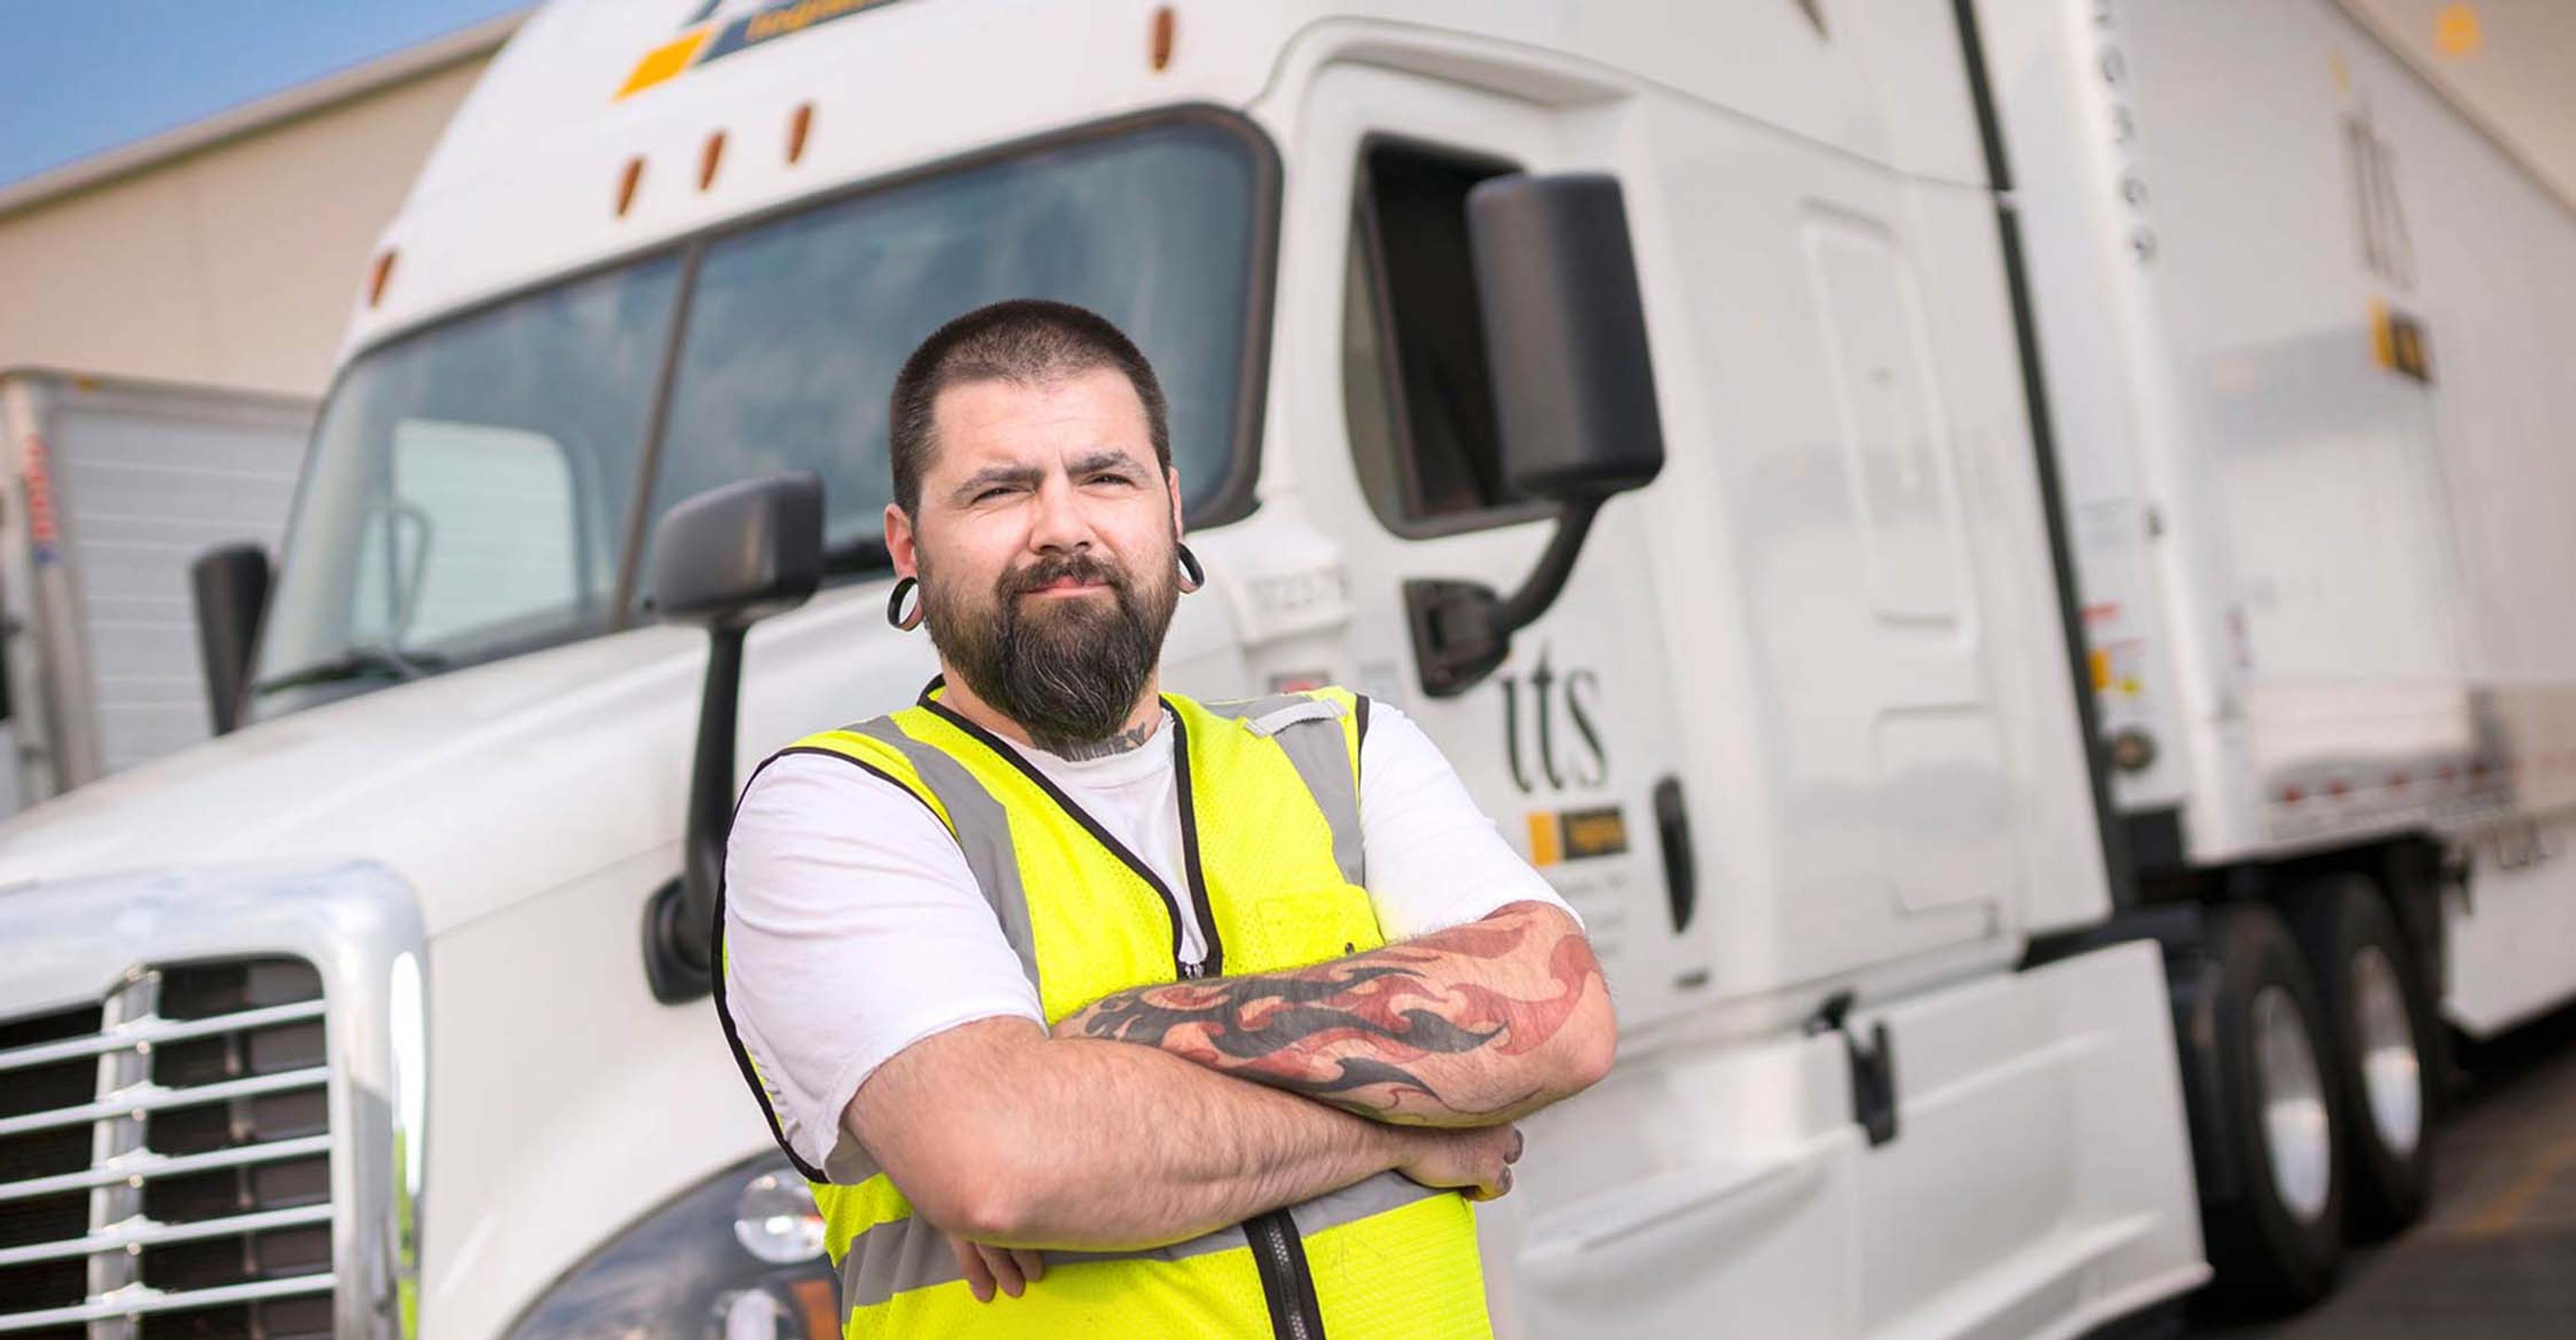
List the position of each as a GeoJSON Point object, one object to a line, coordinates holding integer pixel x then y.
{"type": "Point", "coordinates": [1083, 751]}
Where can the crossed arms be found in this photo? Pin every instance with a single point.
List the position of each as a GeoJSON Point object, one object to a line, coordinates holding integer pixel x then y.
{"type": "Point", "coordinates": [1171, 1110]}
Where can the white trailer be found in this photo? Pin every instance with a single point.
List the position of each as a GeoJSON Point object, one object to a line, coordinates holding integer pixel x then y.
{"type": "Point", "coordinates": [2302, 324]}
{"type": "Point", "coordinates": [1797, 725]}
{"type": "Point", "coordinates": [115, 484]}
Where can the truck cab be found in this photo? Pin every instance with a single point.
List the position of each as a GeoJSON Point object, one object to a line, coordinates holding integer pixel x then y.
{"type": "Point", "coordinates": [360, 990]}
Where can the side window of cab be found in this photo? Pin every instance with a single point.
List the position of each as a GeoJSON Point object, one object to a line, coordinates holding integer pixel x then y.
{"type": "Point", "coordinates": [1419, 401]}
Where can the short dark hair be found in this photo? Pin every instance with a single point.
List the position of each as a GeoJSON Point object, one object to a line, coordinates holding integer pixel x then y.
{"type": "Point", "coordinates": [1026, 341]}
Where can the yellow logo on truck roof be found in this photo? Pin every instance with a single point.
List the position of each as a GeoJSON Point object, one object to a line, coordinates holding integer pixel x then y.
{"type": "Point", "coordinates": [707, 37]}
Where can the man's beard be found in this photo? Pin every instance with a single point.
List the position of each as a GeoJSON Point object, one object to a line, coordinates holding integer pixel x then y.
{"type": "Point", "coordinates": [1068, 669]}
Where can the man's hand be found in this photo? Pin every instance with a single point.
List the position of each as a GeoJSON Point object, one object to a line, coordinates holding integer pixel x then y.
{"type": "Point", "coordinates": [1471, 1026]}
{"type": "Point", "coordinates": [1009, 1270]}
{"type": "Point", "coordinates": [1477, 1160]}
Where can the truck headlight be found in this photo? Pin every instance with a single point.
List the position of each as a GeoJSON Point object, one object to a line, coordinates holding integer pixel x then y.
{"type": "Point", "coordinates": [738, 1257]}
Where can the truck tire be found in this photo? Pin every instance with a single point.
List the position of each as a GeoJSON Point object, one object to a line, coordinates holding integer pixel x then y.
{"type": "Point", "coordinates": [2278, 1243]}
{"type": "Point", "coordinates": [2378, 1016]}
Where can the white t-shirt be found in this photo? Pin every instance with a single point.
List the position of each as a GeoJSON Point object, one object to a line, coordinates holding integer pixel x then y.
{"type": "Point", "coordinates": [854, 929]}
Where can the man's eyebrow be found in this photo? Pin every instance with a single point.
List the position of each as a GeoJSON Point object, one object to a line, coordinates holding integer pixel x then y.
{"type": "Point", "coordinates": [1102, 459]}
{"type": "Point", "coordinates": [990, 475]}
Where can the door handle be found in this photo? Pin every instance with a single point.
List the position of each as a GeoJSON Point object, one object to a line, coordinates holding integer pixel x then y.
{"type": "Point", "coordinates": [1681, 868]}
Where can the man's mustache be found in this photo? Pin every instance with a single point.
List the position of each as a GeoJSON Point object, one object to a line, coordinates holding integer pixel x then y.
{"type": "Point", "coordinates": [1047, 572]}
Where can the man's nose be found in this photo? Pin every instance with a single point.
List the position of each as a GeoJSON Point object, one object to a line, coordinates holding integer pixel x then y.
{"type": "Point", "coordinates": [1060, 525]}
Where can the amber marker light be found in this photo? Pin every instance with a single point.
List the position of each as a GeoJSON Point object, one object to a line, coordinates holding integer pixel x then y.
{"type": "Point", "coordinates": [799, 125]}
{"type": "Point", "coordinates": [1161, 53]}
{"type": "Point", "coordinates": [378, 275]}
{"type": "Point", "coordinates": [709, 159]}
{"type": "Point", "coordinates": [627, 181]}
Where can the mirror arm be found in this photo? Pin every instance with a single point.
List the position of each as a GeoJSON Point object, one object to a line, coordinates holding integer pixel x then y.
{"type": "Point", "coordinates": [679, 921]}
{"type": "Point", "coordinates": [1547, 581]}
{"type": "Point", "coordinates": [1462, 630]}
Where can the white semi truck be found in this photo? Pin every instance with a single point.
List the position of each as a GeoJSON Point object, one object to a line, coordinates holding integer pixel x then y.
{"type": "Point", "coordinates": [2032, 639]}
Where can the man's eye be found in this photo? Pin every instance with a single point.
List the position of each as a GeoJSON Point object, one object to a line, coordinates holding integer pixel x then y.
{"type": "Point", "coordinates": [998, 490]}
{"type": "Point", "coordinates": [1109, 477]}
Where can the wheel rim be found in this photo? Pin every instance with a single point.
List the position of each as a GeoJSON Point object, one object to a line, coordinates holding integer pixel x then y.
{"type": "Point", "coordinates": [2391, 1076]}
{"type": "Point", "coordinates": [2297, 1134]}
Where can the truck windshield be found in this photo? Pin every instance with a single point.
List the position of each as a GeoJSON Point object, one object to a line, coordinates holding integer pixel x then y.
{"type": "Point", "coordinates": [473, 489]}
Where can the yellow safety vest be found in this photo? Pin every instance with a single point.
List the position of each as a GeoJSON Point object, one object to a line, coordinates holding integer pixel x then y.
{"type": "Point", "coordinates": [1269, 799]}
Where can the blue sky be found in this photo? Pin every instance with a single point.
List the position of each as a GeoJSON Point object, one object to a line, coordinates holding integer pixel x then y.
{"type": "Point", "coordinates": [81, 76]}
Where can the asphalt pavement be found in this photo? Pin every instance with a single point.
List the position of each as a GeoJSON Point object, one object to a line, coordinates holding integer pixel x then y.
{"type": "Point", "coordinates": [2495, 1259]}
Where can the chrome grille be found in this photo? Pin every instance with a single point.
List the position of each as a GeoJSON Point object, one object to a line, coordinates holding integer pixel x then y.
{"type": "Point", "coordinates": [165, 1159]}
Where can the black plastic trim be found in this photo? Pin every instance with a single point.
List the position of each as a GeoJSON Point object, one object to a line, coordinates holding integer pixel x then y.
{"type": "Point", "coordinates": [1681, 863]}
{"type": "Point", "coordinates": [2052, 481]}
{"type": "Point", "coordinates": [634, 529]}
{"type": "Point", "coordinates": [2156, 845]}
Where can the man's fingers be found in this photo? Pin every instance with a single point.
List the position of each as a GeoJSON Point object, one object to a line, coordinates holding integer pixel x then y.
{"type": "Point", "coordinates": [1032, 1263]}
{"type": "Point", "coordinates": [979, 1277]}
{"type": "Point", "coordinates": [1006, 1270]}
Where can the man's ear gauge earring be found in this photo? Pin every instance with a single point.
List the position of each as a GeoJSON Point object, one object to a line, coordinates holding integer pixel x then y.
{"type": "Point", "coordinates": [1192, 575]}
{"type": "Point", "coordinates": [894, 606]}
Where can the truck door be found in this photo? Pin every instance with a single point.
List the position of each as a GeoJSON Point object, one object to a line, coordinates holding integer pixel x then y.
{"type": "Point", "coordinates": [1565, 743]}
{"type": "Point", "coordinates": [1571, 743]}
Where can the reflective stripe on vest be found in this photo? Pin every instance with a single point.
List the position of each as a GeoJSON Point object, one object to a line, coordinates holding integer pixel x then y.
{"type": "Point", "coordinates": [1271, 844]}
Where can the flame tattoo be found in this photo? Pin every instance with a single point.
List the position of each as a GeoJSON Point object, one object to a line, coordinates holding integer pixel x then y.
{"type": "Point", "coordinates": [1387, 1033]}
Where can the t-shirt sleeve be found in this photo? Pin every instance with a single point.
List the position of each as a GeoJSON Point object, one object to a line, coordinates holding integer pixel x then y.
{"type": "Point", "coordinates": [1433, 859]}
{"type": "Point", "coordinates": [853, 929]}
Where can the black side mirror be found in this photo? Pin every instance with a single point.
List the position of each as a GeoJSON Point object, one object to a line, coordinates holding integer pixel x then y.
{"type": "Point", "coordinates": [737, 554]}
{"type": "Point", "coordinates": [230, 585]}
{"type": "Point", "coordinates": [1574, 396]}
{"type": "Point", "coordinates": [1565, 332]}
{"type": "Point", "coordinates": [722, 560]}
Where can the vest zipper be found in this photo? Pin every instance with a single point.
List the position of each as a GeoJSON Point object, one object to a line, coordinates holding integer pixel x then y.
{"type": "Point", "coordinates": [1279, 1253]}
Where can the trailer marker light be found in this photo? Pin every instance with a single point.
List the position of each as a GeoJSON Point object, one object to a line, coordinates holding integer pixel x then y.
{"type": "Point", "coordinates": [2338, 787]}
{"type": "Point", "coordinates": [798, 127]}
{"type": "Point", "coordinates": [2291, 795]}
{"type": "Point", "coordinates": [1162, 44]}
{"type": "Point", "coordinates": [2455, 30]}
{"type": "Point", "coordinates": [378, 275]}
{"type": "Point", "coordinates": [709, 158]}
{"type": "Point", "coordinates": [627, 181]}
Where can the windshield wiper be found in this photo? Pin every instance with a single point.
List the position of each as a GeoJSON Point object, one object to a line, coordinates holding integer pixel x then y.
{"type": "Point", "coordinates": [368, 662]}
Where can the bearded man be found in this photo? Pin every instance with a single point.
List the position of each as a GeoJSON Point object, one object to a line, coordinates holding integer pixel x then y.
{"type": "Point", "coordinates": [1093, 1010]}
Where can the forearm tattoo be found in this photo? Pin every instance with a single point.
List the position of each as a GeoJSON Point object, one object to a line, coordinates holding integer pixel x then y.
{"type": "Point", "coordinates": [1373, 1032]}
